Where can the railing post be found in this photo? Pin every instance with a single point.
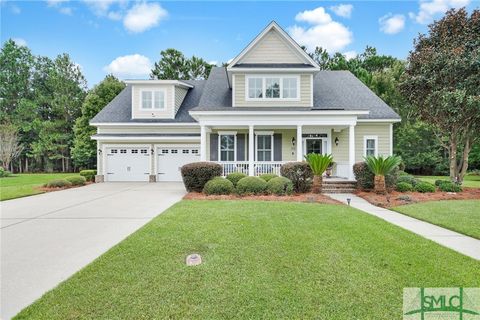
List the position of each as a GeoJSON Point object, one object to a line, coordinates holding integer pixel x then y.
{"type": "Point", "coordinates": [251, 151]}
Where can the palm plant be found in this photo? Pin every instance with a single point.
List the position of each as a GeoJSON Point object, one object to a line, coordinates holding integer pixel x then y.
{"type": "Point", "coordinates": [318, 163]}
{"type": "Point", "coordinates": [380, 167]}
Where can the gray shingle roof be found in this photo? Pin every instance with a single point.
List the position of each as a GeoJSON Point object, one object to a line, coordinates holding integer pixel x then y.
{"type": "Point", "coordinates": [333, 90]}
{"type": "Point", "coordinates": [120, 108]}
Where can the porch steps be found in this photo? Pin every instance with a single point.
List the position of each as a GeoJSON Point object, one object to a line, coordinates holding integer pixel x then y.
{"type": "Point", "coordinates": [338, 186]}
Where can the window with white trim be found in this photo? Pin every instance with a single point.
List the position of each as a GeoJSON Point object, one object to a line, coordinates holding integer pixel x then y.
{"type": "Point", "coordinates": [153, 100]}
{"type": "Point", "coordinates": [227, 147]}
{"type": "Point", "coordinates": [264, 147]}
{"type": "Point", "coordinates": [370, 146]}
{"type": "Point", "coordinates": [272, 87]}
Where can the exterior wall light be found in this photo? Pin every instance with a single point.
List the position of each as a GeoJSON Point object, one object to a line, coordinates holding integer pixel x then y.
{"type": "Point", "coordinates": [293, 141]}
{"type": "Point", "coordinates": [99, 151]}
{"type": "Point", "coordinates": [336, 141]}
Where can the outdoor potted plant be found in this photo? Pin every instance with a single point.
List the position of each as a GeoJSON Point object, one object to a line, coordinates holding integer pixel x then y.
{"type": "Point", "coordinates": [329, 170]}
{"type": "Point", "coordinates": [318, 163]}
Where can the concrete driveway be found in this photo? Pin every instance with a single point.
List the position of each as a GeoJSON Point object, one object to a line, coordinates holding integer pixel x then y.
{"type": "Point", "coordinates": [48, 237]}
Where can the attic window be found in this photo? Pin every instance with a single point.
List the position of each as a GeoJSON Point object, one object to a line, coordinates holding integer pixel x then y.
{"type": "Point", "coordinates": [153, 100]}
{"type": "Point", "coordinates": [272, 87]}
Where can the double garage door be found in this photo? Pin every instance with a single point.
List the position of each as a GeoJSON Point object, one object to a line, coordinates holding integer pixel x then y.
{"type": "Point", "coordinates": [134, 163]}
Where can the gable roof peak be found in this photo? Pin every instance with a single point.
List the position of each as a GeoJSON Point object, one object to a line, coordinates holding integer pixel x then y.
{"type": "Point", "coordinates": [292, 44]}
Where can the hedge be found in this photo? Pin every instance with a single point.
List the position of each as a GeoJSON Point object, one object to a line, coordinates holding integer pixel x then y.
{"type": "Point", "coordinates": [449, 186]}
{"type": "Point", "coordinates": [300, 174]}
{"type": "Point", "coordinates": [251, 185]}
{"type": "Point", "coordinates": [365, 177]}
{"type": "Point", "coordinates": [218, 185]}
{"type": "Point", "coordinates": [408, 179]}
{"type": "Point", "coordinates": [89, 174]}
{"type": "Point", "coordinates": [268, 176]}
{"type": "Point", "coordinates": [76, 180]}
{"type": "Point", "coordinates": [195, 175]}
{"type": "Point", "coordinates": [424, 187]}
{"type": "Point", "coordinates": [404, 186]}
{"type": "Point", "coordinates": [280, 186]}
{"type": "Point", "coordinates": [58, 183]}
{"type": "Point", "coordinates": [234, 177]}
{"type": "Point", "coordinates": [4, 173]}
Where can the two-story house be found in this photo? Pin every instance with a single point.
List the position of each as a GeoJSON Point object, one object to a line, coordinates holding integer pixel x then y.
{"type": "Point", "coordinates": [271, 104]}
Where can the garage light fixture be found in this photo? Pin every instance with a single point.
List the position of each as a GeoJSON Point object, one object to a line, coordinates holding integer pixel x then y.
{"type": "Point", "coordinates": [99, 151]}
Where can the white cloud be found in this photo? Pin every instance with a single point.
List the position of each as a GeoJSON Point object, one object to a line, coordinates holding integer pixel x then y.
{"type": "Point", "coordinates": [144, 16]}
{"type": "Point", "coordinates": [101, 7]}
{"type": "Point", "coordinates": [428, 9]}
{"type": "Point", "coordinates": [343, 10]}
{"type": "Point", "coordinates": [392, 24]}
{"type": "Point", "coordinates": [214, 62]}
{"type": "Point", "coordinates": [135, 65]}
{"type": "Point", "coordinates": [114, 15]}
{"type": "Point", "coordinates": [315, 16]}
{"type": "Point", "coordinates": [350, 54]}
{"type": "Point", "coordinates": [54, 3]}
{"type": "Point", "coordinates": [20, 42]}
{"type": "Point", "coordinates": [324, 32]}
{"type": "Point", "coordinates": [66, 10]}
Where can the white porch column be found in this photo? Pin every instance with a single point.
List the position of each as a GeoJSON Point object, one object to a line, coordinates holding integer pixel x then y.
{"type": "Point", "coordinates": [251, 151]}
{"type": "Point", "coordinates": [299, 143]}
{"type": "Point", "coordinates": [351, 151]}
{"type": "Point", "coordinates": [203, 143]}
{"type": "Point", "coordinates": [100, 156]}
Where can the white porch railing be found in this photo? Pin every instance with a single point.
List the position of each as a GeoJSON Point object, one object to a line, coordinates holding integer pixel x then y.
{"type": "Point", "coordinates": [260, 167]}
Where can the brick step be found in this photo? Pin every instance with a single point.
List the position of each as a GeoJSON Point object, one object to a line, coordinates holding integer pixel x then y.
{"type": "Point", "coordinates": [339, 191]}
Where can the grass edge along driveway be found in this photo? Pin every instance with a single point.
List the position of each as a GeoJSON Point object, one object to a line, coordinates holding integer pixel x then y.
{"type": "Point", "coordinates": [27, 184]}
{"type": "Point", "coordinates": [261, 260]}
{"type": "Point", "coordinates": [462, 216]}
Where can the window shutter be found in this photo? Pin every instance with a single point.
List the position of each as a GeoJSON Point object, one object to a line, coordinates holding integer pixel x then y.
{"type": "Point", "coordinates": [277, 147]}
{"type": "Point", "coordinates": [214, 147]}
{"type": "Point", "coordinates": [240, 147]}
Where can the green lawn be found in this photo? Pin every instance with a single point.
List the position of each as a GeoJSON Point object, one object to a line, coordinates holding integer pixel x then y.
{"type": "Point", "coordinates": [459, 215]}
{"type": "Point", "coordinates": [262, 260]}
{"type": "Point", "coordinates": [469, 181]}
{"type": "Point", "coordinates": [21, 185]}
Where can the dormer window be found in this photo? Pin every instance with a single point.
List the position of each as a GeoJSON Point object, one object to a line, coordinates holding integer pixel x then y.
{"type": "Point", "coordinates": [272, 87]}
{"type": "Point", "coordinates": [153, 100]}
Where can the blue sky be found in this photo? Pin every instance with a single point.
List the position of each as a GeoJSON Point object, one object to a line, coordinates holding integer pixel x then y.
{"type": "Point", "coordinates": [126, 37]}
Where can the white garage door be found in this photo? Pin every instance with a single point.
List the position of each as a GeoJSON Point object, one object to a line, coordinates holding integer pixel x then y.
{"type": "Point", "coordinates": [128, 164]}
{"type": "Point", "coordinates": [171, 159]}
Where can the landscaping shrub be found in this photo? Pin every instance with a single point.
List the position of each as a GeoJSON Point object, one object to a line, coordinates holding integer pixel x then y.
{"type": "Point", "coordinates": [365, 177]}
{"type": "Point", "coordinates": [449, 186]}
{"type": "Point", "coordinates": [424, 187]}
{"type": "Point", "coordinates": [251, 185]}
{"type": "Point", "coordinates": [195, 175]}
{"type": "Point", "coordinates": [404, 186]}
{"type": "Point", "coordinates": [76, 180]}
{"type": "Point", "coordinates": [280, 186]}
{"type": "Point", "coordinates": [235, 177]}
{"type": "Point", "coordinates": [408, 179]}
{"type": "Point", "coordinates": [300, 174]}
{"type": "Point", "coordinates": [439, 182]}
{"type": "Point", "coordinates": [58, 183]}
{"type": "Point", "coordinates": [89, 174]}
{"type": "Point", "coordinates": [218, 185]}
{"type": "Point", "coordinates": [268, 176]}
{"type": "Point", "coordinates": [4, 173]}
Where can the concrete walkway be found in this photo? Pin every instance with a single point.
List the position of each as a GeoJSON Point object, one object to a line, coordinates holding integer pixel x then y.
{"type": "Point", "coordinates": [46, 238]}
{"type": "Point", "coordinates": [447, 238]}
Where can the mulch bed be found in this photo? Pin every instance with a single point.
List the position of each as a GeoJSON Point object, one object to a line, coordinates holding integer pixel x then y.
{"type": "Point", "coordinates": [396, 198]}
{"type": "Point", "coordinates": [45, 189]}
{"type": "Point", "coordinates": [304, 197]}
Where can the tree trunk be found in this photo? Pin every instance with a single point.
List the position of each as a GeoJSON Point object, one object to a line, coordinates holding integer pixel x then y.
{"type": "Point", "coordinates": [453, 159]}
{"type": "Point", "coordinates": [379, 185]}
{"type": "Point", "coordinates": [26, 164]}
{"type": "Point", "coordinates": [317, 184]}
{"type": "Point", "coordinates": [464, 164]}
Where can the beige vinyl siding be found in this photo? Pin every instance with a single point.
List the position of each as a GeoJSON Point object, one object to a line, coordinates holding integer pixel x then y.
{"type": "Point", "coordinates": [166, 113]}
{"type": "Point", "coordinates": [180, 94]}
{"type": "Point", "coordinates": [381, 130]}
{"type": "Point", "coordinates": [288, 150]}
{"type": "Point", "coordinates": [340, 152]}
{"type": "Point", "coordinates": [271, 49]}
{"type": "Point", "coordinates": [239, 83]}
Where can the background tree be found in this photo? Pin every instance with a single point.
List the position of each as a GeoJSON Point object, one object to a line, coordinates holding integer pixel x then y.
{"type": "Point", "coordinates": [442, 82]}
{"type": "Point", "coordinates": [84, 148]}
{"type": "Point", "coordinates": [10, 147]}
{"type": "Point", "coordinates": [174, 65]}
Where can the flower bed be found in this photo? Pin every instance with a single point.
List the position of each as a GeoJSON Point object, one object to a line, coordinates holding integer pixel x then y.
{"type": "Point", "coordinates": [303, 197]}
{"type": "Point", "coordinates": [396, 198]}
